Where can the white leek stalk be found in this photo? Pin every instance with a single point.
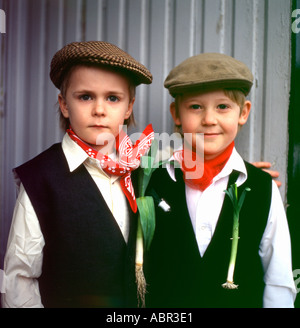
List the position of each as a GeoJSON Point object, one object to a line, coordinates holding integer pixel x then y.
{"type": "Point", "coordinates": [237, 205]}
{"type": "Point", "coordinates": [145, 231]}
{"type": "Point", "coordinates": [235, 239]}
{"type": "Point", "coordinates": [139, 261]}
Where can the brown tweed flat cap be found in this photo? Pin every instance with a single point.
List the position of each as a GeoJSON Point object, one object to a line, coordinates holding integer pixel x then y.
{"type": "Point", "coordinates": [96, 52]}
{"type": "Point", "coordinates": [209, 71]}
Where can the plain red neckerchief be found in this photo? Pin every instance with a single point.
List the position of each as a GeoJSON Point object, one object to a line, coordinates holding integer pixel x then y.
{"type": "Point", "coordinates": [211, 167]}
{"type": "Point", "coordinates": [129, 158]}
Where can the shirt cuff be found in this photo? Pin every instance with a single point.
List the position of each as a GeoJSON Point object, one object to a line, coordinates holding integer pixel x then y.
{"type": "Point", "coordinates": [278, 297]}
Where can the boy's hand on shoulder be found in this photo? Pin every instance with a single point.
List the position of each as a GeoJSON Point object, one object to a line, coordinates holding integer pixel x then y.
{"type": "Point", "coordinates": [265, 166]}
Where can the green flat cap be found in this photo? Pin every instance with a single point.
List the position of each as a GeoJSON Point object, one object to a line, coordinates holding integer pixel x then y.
{"type": "Point", "coordinates": [209, 71]}
{"type": "Point", "coordinates": [96, 53]}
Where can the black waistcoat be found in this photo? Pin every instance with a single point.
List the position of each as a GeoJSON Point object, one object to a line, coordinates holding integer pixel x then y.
{"type": "Point", "coordinates": [86, 260]}
{"type": "Point", "coordinates": [176, 273]}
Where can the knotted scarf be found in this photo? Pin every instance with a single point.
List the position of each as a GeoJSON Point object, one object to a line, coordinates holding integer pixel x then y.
{"type": "Point", "coordinates": [129, 158]}
{"type": "Point", "coordinates": [192, 166]}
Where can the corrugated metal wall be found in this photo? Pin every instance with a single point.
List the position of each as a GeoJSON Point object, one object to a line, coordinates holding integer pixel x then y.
{"type": "Point", "coordinates": [159, 33]}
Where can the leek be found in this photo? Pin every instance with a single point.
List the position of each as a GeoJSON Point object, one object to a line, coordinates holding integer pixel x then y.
{"type": "Point", "coordinates": [146, 219]}
{"type": "Point", "coordinates": [237, 205]}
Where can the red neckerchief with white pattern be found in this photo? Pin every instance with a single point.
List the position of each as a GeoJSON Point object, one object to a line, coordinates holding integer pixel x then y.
{"type": "Point", "coordinates": [129, 158]}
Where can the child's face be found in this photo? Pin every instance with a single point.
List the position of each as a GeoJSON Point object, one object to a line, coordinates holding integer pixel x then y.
{"type": "Point", "coordinates": [212, 114]}
{"type": "Point", "coordinates": [97, 101]}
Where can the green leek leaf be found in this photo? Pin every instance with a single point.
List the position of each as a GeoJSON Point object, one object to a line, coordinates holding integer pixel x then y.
{"type": "Point", "coordinates": [147, 218]}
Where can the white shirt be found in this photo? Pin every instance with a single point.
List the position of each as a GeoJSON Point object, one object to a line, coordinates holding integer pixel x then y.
{"type": "Point", "coordinates": [24, 255]}
{"type": "Point", "coordinates": [275, 246]}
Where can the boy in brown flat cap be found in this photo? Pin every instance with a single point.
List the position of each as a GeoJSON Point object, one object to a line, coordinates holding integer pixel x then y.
{"type": "Point", "coordinates": [72, 239]}
{"type": "Point", "coordinates": [187, 263]}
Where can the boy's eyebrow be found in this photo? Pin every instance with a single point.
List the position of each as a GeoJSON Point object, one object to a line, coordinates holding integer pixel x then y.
{"type": "Point", "coordinates": [223, 99]}
{"type": "Point", "coordinates": [80, 91]}
{"type": "Point", "coordinates": [198, 100]}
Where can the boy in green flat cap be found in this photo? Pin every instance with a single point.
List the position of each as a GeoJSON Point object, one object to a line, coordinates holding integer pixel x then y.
{"type": "Point", "coordinates": [187, 263]}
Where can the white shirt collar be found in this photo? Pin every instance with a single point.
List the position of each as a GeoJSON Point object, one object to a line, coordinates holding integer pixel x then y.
{"type": "Point", "coordinates": [75, 155]}
{"type": "Point", "coordinates": [235, 162]}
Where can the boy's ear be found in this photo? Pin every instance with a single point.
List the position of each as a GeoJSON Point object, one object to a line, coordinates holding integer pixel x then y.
{"type": "Point", "coordinates": [176, 119]}
{"type": "Point", "coordinates": [245, 113]}
{"type": "Point", "coordinates": [129, 109]}
{"type": "Point", "coordinates": [63, 106]}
